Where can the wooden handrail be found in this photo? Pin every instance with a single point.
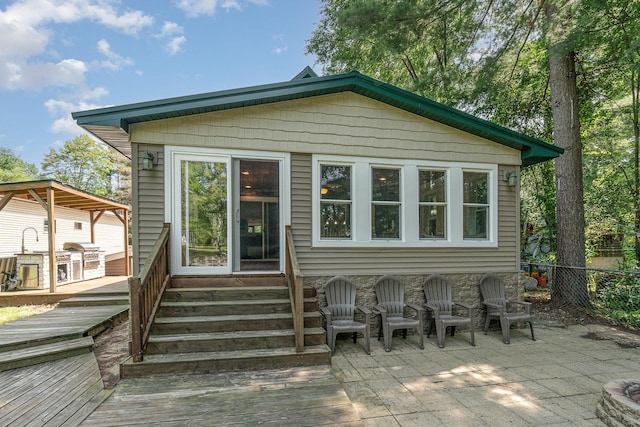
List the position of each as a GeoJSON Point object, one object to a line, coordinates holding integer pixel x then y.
{"type": "Point", "coordinates": [295, 283]}
{"type": "Point", "coordinates": [145, 292]}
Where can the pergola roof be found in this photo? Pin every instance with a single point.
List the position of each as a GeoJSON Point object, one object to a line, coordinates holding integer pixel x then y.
{"type": "Point", "coordinates": [51, 194]}
{"type": "Point", "coordinates": [65, 195]}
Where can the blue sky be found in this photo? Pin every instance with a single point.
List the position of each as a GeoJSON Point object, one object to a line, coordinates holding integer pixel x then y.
{"type": "Point", "coordinates": [59, 56]}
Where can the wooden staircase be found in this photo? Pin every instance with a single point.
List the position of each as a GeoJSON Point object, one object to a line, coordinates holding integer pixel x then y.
{"type": "Point", "coordinates": [226, 324]}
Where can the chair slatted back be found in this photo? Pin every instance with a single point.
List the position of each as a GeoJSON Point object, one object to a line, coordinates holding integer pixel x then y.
{"type": "Point", "coordinates": [492, 289]}
{"type": "Point", "coordinates": [341, 298]}
{"type": "Point", "coordinates": [390, 295]}
{"type": "Point", "coordinates": [437, 290]}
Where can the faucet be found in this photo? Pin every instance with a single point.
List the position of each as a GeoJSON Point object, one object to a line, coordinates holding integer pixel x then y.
{"type": "Point", "coordinates": [23, 236]}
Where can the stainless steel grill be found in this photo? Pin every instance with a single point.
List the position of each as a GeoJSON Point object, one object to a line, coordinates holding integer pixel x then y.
{"type": "Point", "coordinates": [91, 259]}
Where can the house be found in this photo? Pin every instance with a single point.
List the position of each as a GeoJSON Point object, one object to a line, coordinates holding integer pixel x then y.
{"type": "Point", "coordinates": [372, 180]}
{"type": "Point", "coordinates": [78, 217]}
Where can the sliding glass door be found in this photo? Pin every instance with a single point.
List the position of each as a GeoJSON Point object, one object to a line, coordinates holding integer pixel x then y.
{"type": "Point", "coordinates": [227, 214]}
{"type": "Point", "coordinates": [258, 214]}
{"type": "Point", "coordinates": [202, 228]}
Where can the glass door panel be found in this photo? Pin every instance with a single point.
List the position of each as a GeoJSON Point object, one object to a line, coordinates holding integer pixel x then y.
{"type": "Point", "coordinates": [259, 215]}
{"type": "Point", "coordinates": [203, 214]}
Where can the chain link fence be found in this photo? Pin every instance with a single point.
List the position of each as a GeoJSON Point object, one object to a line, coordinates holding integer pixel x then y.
{"type": "Point", "coordinates": [612, 296]}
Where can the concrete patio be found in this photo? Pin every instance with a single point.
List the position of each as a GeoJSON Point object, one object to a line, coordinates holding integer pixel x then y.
{"type": "Point", "coordinates": [556, 380]}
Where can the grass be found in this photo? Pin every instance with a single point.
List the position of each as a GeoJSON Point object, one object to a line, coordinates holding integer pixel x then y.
{"type": "Point", "coordinates": [10, 314]}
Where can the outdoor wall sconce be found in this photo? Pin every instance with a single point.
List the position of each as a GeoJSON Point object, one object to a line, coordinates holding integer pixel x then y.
{"type": "Point", "coordinates": [148, 161]}
{"type": "Point", "coordinates": [511, 178]}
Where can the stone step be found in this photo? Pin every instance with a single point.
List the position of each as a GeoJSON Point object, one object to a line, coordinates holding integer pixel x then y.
{"type": "Point", "coordinates": [230, 341]}
{"type": "Point", "coordinates": [223, 308]}
{"type": "Point", "coordinates": [45, 353]}
{"type": "Point", "coordinates": [255, 322]}
{"type": "Point", "coordinates": [226, 361]}
{"type": "Point", "coordinates": [226, 294]}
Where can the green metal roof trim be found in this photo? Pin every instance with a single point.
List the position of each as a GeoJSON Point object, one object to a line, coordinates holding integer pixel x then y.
{"type": "Point", "coordinates": [533, 150]}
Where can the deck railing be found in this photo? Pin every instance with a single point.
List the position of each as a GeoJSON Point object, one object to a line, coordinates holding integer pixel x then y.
{"type": "Point", "coordinates": [145, 292]}
{"type": "Point", "coordinates": [295, 282]}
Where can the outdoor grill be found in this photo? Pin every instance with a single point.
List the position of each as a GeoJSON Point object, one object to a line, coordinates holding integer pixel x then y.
{"type": "Point", "coordinates": [92, 258]}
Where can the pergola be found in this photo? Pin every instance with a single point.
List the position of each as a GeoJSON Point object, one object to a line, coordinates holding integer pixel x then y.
{"type": "Point", "coordinates": [49, 194]}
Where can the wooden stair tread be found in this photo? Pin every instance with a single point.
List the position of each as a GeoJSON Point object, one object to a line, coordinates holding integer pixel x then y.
{"type": "Point", "coordinates": [228, 302]}
{"type": "Point", "coordinates": [230, 335]}
{"type": "Point", "coordinates": [227, 289]}
{"type": "Point", "coordinates": [226, 355]}
{"type": "Point", "coordinates": [95, 300]}
{"type": "Point", "coordinates": [231, 317]}
{"type": "Point", "coordinates": [43, 353]}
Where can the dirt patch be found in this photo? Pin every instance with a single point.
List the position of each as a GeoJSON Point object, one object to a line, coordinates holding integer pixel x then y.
{"type": "Point", "coordinates": [547, 311]}
{"type": "Point", "coordinates": [544, 309]}
{"type": "Point", "coordinates": [111, 349]}
{"type": "Point", "coordinates": [622, 338]}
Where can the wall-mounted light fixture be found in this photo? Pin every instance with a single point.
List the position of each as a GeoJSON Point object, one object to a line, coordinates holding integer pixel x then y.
{"type": "Point", "coordinates": [511, 178]}
{"type": "Point", "coordinates": [148, 161]}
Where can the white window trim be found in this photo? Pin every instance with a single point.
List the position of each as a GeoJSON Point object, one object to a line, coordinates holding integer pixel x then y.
{"type": "Point", "coordinates": [446, 203]}
{"type": "Point", "coordinates": [399, 203]}
{"type": "Point", "coordinates": [173, 152]}
{"type": "Point", "coordinates": [361, 203]}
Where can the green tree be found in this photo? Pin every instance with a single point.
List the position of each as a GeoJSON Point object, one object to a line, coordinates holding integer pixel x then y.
{"type": "Point", "coordinates": [14, 169]}
{"type": "Point", "coordinates": [614, 35]}
{"type": "Point", "coordinates": [82, 163]}
{"type": "Point", "coordinates": [449, 48]}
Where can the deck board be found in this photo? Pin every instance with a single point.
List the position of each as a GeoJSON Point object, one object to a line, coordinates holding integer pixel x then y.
{"type": "Point", "coordinates": [63, 322]}
{"type": "Point", "coordinates": [51, 393]}
{"type": "Point", "coordinates": [296, 396]}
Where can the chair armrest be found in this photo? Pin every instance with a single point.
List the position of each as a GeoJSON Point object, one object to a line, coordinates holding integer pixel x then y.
{"type": "Point", "coordinates": [465, 306]}
{"type": "Point", "coordinates": [499, 307]}
{"type": "Point", "coordinates": [365, 311]}
{"type": "Point", "coordinates": [377, 309]}
{"type": "Point", "coordinates": [326, 313]}
{"type": "Point", "coordinates": [418, 308]}
{"type": "Point", "coordinates": [432, 307]}
{"type": "Point", "coordinates": [526, 305]}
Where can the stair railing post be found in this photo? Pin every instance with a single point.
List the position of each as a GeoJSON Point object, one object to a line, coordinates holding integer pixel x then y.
{"type": "Point", "coordinates": [135, 318]}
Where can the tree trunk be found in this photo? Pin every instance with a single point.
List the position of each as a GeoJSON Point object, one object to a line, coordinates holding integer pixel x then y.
{"type": "Point", "coordinates": [570, 284]}
{"type": "Point", "coordinates": [635, 104]}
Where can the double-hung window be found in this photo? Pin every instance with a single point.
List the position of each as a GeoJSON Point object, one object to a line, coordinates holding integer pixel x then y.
{"type": "Point", "coordinates": [385, 203]}
{"type": "Point", "coordinates": [363, 202]}
{"type": "Point", "coordinates": [335, 201]}
{"type": "Point", "coordinates": [476, 205]}
{"type": "Point", "coordinates": [432, 204]}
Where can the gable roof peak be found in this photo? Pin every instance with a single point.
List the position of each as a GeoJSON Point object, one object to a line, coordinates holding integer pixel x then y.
{"type": "Point", "coordinates": [306, 73]}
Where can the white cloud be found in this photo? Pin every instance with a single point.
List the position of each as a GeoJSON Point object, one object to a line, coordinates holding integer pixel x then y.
{"type": "Point", "coordinates": [27, 29]}
{"type": "Point", "coordinates": [280, 50]}
{"type": "Point", "coordinates": [175, 45]}
{"type": "Point", "coordinates": [194, 8]}
{"type": "Point", "coordinates": [114, 61]}
{"type": "Point", "coordinates": [15, 75]}
{"type": "Point", "coordinates": [172, 33]}
{"type": "Point", "coordinates": [62, 109]}
{"type": "Point", "coordinates": [170, 29]}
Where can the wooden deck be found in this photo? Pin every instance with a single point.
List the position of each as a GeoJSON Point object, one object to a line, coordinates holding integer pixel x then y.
{"type": "Point", "coordinates": [305, 396]}
{"type": "Point", "coordinates": [105, 285]}
{"type": "Point", "coordinates": [61, 392]}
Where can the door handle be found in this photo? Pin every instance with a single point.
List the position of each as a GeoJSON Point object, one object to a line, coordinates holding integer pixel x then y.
{"type": "Point", "coordinates": [238, 216]}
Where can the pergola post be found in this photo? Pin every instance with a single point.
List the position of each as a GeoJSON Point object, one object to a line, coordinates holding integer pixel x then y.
{"type": "Point", "coordinates": [51, 218]}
